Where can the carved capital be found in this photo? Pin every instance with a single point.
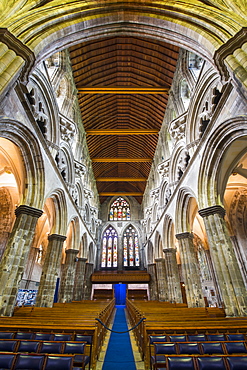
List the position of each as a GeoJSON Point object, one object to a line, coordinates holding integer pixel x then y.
{"type": "Point", "coordinates": [72, 251]}
{"type": "Point", "coordinates": [185, 235]}
{"type": "Point", "coordinates": [57, 237]}
{"type": "Point", "coordinates": [23, 209]}
{"type": "Point", "coordinates": [160, 259]}
{"type": "Point", "coordinates": [170, 250]}
{"type": "Point", "coordinates": [212, 210]}
{"type": "Point", "coordinates": [81, 259]}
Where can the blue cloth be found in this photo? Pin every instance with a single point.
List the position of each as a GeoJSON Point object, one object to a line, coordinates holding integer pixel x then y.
{"type": "Point", "coordinates": [119, 354]}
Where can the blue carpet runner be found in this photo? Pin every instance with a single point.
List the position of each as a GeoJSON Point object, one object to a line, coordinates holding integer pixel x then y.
{"type": "Point", "coordinates": [119, 354]}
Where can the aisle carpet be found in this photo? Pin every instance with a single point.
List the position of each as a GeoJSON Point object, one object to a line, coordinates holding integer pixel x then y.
{"type": "Point", "coordinates": [119, 354]}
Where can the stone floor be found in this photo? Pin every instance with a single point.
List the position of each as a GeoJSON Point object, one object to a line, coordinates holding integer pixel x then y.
{"type": "Point", "coordinates": [138, 361]}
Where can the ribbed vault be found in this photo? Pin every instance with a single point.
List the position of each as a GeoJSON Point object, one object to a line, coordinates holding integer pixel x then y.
{"type": "Point", "coordinates": [123, 62]}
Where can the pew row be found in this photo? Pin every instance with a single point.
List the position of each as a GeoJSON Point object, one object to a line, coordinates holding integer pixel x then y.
{"type": "Point", "coordinates": [166, 319]}
{"type": "Point", "coordinates": [75, 319]}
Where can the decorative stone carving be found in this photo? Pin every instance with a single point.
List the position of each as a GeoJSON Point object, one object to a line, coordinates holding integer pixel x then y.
{"type": "Point", "coordinates": [39, 110]}
{"type": "Point", "coordinates": [80, 169]}
{"type": "Point", "coordinates": [155, 193]}
{"type": "Point", "coordinates": [163, 168]}
{"type": "Point", "coordinates": [67, 129]}
{"type": "Point", "coordinates": [88, 193]}
{"type": "Point", "coordinates": [177, 128]}
{"type": "Point", "coordinates": [183, 162]}
{"type": "Point", "coordinates": [62, 164]}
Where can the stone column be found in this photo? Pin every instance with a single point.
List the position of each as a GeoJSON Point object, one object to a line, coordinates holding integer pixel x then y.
{"type": "Point", "coordinates": [161, 279]}
{"type": "Point", "coordinates": [225, 263]}
{"type": "Point", "coordinates": [153, 289]}
{"type": "Point", "coordinates": [15, 256]}
{"type": "Point", "coordinates": [68, 276]}
{"type": "Point", "coordinates": [190, 266]}
{"type": "Point", "coordinates": [79, 285]}
{"type": "Point", "coordinates": [142, 257]}
{"type": "Point", "coordinates": [88, 283]}
{"type": "Point", "coordinates": [50, 271]}
{"type": "Point", "coordinates": [30, 265]}
{"type": "Point", "coordinates": [173, 280]}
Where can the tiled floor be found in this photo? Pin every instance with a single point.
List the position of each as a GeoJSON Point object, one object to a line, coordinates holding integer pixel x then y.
{"type": "Point", "coordinates": [138, 361]}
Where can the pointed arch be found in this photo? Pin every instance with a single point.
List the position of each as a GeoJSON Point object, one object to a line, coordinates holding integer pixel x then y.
{"type": "Point", "coordinates": [119, 210]}
{"type": "Point", "coordinates": [150, 252]}
{"type": "Point", "coordinates": [74, 223]}
{"type": "Point", "coordinates": [60, 212]}
{"type": "Point", "coordinates": [131, 247]}
{"type": "Point", "coordinates": [91, 254]}
{"type": "Point", "coordinates": [158, 246]}
{"type": "Point", "coordinates": [33, 176]}
{"type": "Point", "coordinates": [109, 248]}
{"type": "Point", "coordinates": [186, 209]}
{"type": "Point", "coordinates": [168, 232]}
{"type": "Point", "coordinates": [224, 149]}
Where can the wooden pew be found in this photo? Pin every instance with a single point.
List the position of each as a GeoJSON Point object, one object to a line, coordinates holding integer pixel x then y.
{"type": "Point", "coordinates": [164, 318]}
{"type": "Point", "coordinates": [73, 318]}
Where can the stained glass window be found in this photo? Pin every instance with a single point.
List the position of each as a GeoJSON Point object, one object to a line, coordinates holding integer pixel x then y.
{"type": "Point", "coordinates": [109, 248]}
{"type": "Point", "coordinates": [131, 247]}
{"type": "Point", "coordinates": [120, 210]}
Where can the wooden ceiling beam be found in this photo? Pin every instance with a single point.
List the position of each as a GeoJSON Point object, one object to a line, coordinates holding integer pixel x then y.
{"type": "Point", "coordinates": [123, 90]}
{"type": "Point", "coordinates": [106, 160]}
{"type": "Point", "coordinates": [113, 179]}
{"type": "Point", "coordinates": [122, 132]}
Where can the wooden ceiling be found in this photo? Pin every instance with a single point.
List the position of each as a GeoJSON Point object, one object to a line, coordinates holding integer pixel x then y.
{"type": "Point", "coordinates": [122, 120]}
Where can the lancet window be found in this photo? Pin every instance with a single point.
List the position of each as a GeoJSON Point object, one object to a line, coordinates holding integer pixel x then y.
{"type": "Point", "coordinates": [131, 256]}
{"type": "Point", "coordinates": [109, 248]}
{"type": "Point", "coordinates": [119, 210]}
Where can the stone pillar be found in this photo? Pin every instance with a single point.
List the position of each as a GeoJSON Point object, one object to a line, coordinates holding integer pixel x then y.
{"type": "Point", "coordinates": [68, 276]}
{"type": "Point", "coordinates": [50, 271]}
{"type": "Point", "coordinates": [142, 257]}
{"type": "Point", "coordinates": [225, 263]}
{"type": "Point", "coordinates": [173, 280]}
{"type": "Point", "coordinates": [15, 256]}
{"type": "Point", "coordinates": [161, 279]}
{"type": "Point", "coordinates": [153, 289]}
{"type": "Point", "coordinates": [79, 285]}
{"type": "Point", "coordinates": [88, 283]}
{"type": "Point", "coordinates": [190, 267]}
{"type": "Point", "coordinates": [30, 265]}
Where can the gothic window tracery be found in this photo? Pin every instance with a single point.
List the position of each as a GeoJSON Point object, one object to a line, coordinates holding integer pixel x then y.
{"type": "Point", "coordinates": [119, 210]}
{"type": "Point", "coordinates": [131, 248]}
{"type": "Point", "coordinates": [109, 248]}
